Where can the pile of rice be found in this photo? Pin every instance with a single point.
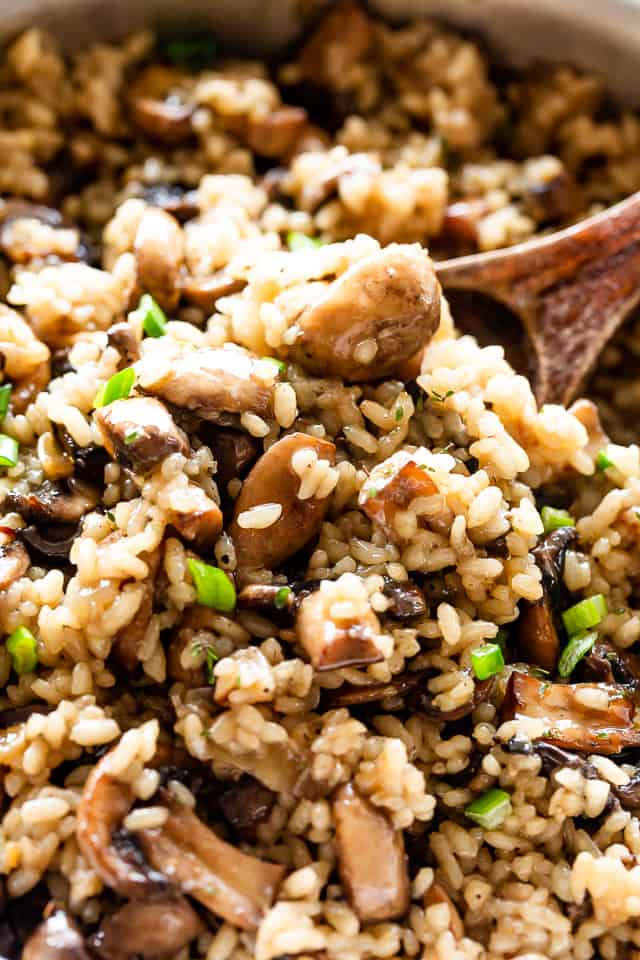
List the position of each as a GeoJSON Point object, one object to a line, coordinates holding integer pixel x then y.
{"type": "Point", "coordinates": [424, 148]}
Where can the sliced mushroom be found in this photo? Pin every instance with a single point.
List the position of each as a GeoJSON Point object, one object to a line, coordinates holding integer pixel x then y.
{"type": "Point", "coordinates": [180, 202]}
{"type": "Point", "coordinates": [332, 642]}
{"type": "Point", "coordinates": [406, 598]}
{"type": "Point", "coordinates": [210, 382]}
{"type": "Point", "coordinates": [109, 849]}
{"type": "Point", "coordinates": [538, 637]}
{"type": "Point", "coordinates": [391, 487]}
{"type": "Point", "coordinates": [144, 929]}
{"type": "Point", "coordinates": [64, 502]}
{"type": "Point", "coordinates": [204, 292]}
{"type": "Point", "coordinates": [230, 883]}
{"type": "Point", "coordinates": [335, 178]}
{"type": "Point", "coordinates": [233, 451]}
{"type": "Point", "coordinates": [553, 199]}
{"type": "Point", "coordinates": [123, 339]}
{"type": "Point", "coordinates": [273, 480]}
{"type": "Point", "coordinates": [140, 432]}
{"type": "Point", "coordinates": [159, 107]}
{"type": "Point", "coordinates": [371, 858]}
{"type": "Point", "coordinates": [14, 562]}
{"type": "Point", "coordinates": [461, 219]}
{"type": "Point", "coordinates": [246, 805]}
{"type": "Point", "coordinates": [158, 250]}
{"type": "Point", "coordinates": [57, 938]}
{"type": "Point", "coordinates": [273, 134]}
{"type": "Point", "coordinates": [201, 521]}
{"type": "Point", "coordinates": [88, 462]}
{"type": "Point", "coordinates": [570, 720]}
{"type": "Point", "coordinates": [607, 664]}
{"type": "Point", "coordinates": [31, 231]}
{"type": "Point", "coordinates": [391, 298]}
{"type": "Point", "coordinates": [343, 37]}
{"type": "Point", "coordinates": [53, 548]}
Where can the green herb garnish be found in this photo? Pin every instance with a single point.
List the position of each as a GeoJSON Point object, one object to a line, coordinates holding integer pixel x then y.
{"type": "Point", "coordinates": [5, 397]}
{"type": "Point", "coordinates": [603, 462]}
{"type": "Point", "coordinates": [118, 387]}
{"type": "Point", "coordinates": [282, 598]}
{"type": "Point", "coordinates": [585, 615]}
{"type": "Point", "coordinates": [213, 586]}
{"type": "Point", "coordinates": [489, 810]}
{"type": "Point", "coordinates": [154, 319]}
{"type": "Point", "coordinates": [130, 438]}
{"type": "Point", "coordinates": [300, 241]}
{"type": "Point", "coordinates": [487, 660]}
{"type": "Point", "coordinates": [23, 650]}
{"type": "Point", "coordinates": [9, 450]}
{"type": "Point", "coordinates": [554, 518]}
{"type": "Point", "coordinates": [577, 648]}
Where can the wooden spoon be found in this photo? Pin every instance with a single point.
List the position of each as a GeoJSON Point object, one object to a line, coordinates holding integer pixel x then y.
{"type": "Point", "coordinates": [571, 290]}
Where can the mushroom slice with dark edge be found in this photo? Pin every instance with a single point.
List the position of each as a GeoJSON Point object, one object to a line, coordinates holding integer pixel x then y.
{"type": "Point", "coordinates": [538, 637]}
{"type": "Point", "coordinates": [14, 562]}
{"type": "Point", "coordinates": [211, 382]}
{"type": "Point", "coordinates": [371, 858]}
{"type": "Point", "coordinates": [230, 883]}
{"type": "Point", "coordinates": [410, 689]}
{"type": "Point", "coordinates": [570, 720]}
{"type": "Point", "coordinates": [140, 432]}
{"type": "Point", "coordinates": [391, 486]}
{"type": "Point", "coordinates": [204, 292]}
{"type": "Point", "coordinates": [246, 805]}
{"type": "Point", "coordinates": [57, 938]}
{"type": "Point", "coordinates": [54, 547]}
{"type": "Point", "coordinates": [273, 480]}
{"type": "Point", "coordinates": [56, 502]}
{"type": "Point", "coordinates": [106, 846]}
{"type": "Point", "coordinates": [179, 201]}
{"type": "Point", "coordinates": [147, 928]}
{"type": "Point", "coordinates": [332, 643]}
{"type": "Point", "coordinates": [607, 664]}
{"type": "Point", "coordinates": [159, 106]}
{"type": "Point", "coordinates": [122, 338]}
{"type": "Point", "coordinates": [233, 451]}
{"type": "Point", "coordinates": [343, 37]}
{"type": "Point", "coordinates": [391, 299]}
{"type": "Point", "coordinates": [201, 522]}
{"type": "Point", "coordinates": [273, 134]}
{"type": "Point", "coordinates": [158, 250]}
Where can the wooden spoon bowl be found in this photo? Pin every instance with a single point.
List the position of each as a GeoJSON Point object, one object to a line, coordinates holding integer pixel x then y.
{"type": "Point", "coordinates": [571, 291]}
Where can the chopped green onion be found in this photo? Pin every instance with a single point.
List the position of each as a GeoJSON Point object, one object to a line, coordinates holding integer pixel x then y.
{"type": "Point", "coordinates": [487, 660]}
{"type": "Point", "coordinates": [130, 438]}
{"type": "Point", "coordinates": [191, 52]}
{"type": "Point", "coordinates": [280, 364]}
{"type": "Point", "coordinates": [5, 397]}
{"type": "Point", "coordinates": [211, 660]}
{"type": "Point", "coordinates": [574, 651]}
{"type": "Point", "coordinates": [585, 615]}
{"type": "Point", "coordinates": [399, 413]}
{"type": "Point", "coordinates": [154, 319]}
{"type": "Point", "coordinates": [489, 810]}
{"type": "Point", "coordinates": [372, 492]}
{"type": "Point", "coordinates": [23, 650]}
{"type": "Point", "coordinates": [9, 449]}
{"type": "Point", "coordinates": [603, 462]}
{"type": "Point", "coordinates": [213, 586]}
{"type": "Point", "coordinates": [118, 387]}
{"type": "Point", "coordinates": [282, 598]}
{"type": "Point", "coordinates": [300, 241]}
{"type": "Point", "coordinates": [553, 518]}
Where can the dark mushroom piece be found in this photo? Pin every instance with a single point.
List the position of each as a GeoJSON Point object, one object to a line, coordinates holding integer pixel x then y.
{"type": "Point", "coordinates": [147, 929]}
{"type": "Point", "coordinates": [52, 548]}
{"type": "Point", "coordinates": [55, 502]}
{"type": "Point", "coordinates": [140, 432]}
{"type": "Point", "coordinates": [210, 382]}
{"type": "Point", "coordinates": [14, 562]}
{"type": "Point", "coordinates": [159, 107]}
{"type": "Point", "coordinates": [16, 238]}
{"type": "Point", "coordinates": [233, 451]}
{"type": "Point", "coordinates": [343, 37]}
{"type": "Point", "coordinates": [273, 134]}
{"type": "Point", "coordinates": [158, 250]}
{"type": "Point", "coordinates": [371, 858]}
{"type": "Point", "coordinates": [538, 636]}
{"type": "Point", "coordinates": [179, 201]}
{"type": "Point", "coordinates": [606, 664]}
{"type": "Point", "coordinates": [204, 292]}
{"type": "Point", "coordinates": [122, 338]}
{"type": "Point", "coordinates": [391, 487]}
{"type": "Point", "coordinates": [89, 462]}
{"type": "Point", "coordinates": [230, 883]}
{"type": "Point", "coordinates": [332, 643]}
{"type": "Point", "coordinates": [246, 805]}
{"type": "Point", "coordinates": [57, 938]}
{"type": "Point", "coordinates": [574, 715]}
{"type": "Point", "coordinates": [554, 199]}
{"type": "Point", "coordinates": [391, 298]}
{"type": "Point", "coordinates": [273, 480]}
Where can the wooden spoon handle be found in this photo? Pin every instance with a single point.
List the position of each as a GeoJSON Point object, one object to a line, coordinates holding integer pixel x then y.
{"type": "Point", "coordinates": [572, 290]}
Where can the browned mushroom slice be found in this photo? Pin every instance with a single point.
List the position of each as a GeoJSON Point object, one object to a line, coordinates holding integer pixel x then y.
{"type": "Point", "coordinates": [57, 938]}
{"type": "Point", "coordinates": [144, 929]}
{"type": "Point", "coordinates": [159, 107]}
{"type": "Point", "coordinates": [204, 292]}
{"type": "Point", "coordinates": [437, 894]}
{"type": "Point", "coordinates": [273, 480]}
{"type": "Point", "coordinates": [122, 338]}
{"type": "Point", "coordinates": [371, 858]}
{"type": "Point", "coordinates": [553, 199]}
{"type": "Point", "coordinates": [64, 502]}
{"type": "Point", "coordinates": [586, 717]}
{"type": "Point", "coordinates": [246, 805]}
{"type": "Point", "coordinates": [234, 452]}
{"type": "Point", "coordinates": [210, 382]}
{"type": "Point", "coordinates": [230, 883]}
{"type": "Point", "coordinates": [30, 231]}
{"type": "Point", "coordinates": [158, 250]}
{"type": "Point", "coordinates": [390, 299]}
{"type": "Point", "coordinates": [343, 37]}
{"type": "Point", "coordinates": [104, 804]}
{"type": "Point", "coordinates": [181, 203]}
{"type": "Point", "coordinates": [410, 688]}
{"type": "Point", "coordinates": [14, 562]}
{"type": "Point", "coordinates": [333, 642]}
{"type": "Point", "coordinates": [406, 599]}
{"type": "Point", "coordinates": [391, 487]}
{"type": "Point", "coordinates": [201, 521]}
{"type": "Point", "coordinates": [538, 635]}
{"type": "Point", "coordinates": [140, 432]}
{"type": "Point", "coordinates": [273, 134]}
{"type": "Point", "coordinates": [460, 222]}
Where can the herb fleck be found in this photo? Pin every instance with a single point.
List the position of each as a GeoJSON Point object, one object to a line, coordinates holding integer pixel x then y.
{"type": "Point", "coordinates": [130, 438]}
{"type": "Point", "coordinates": [282, 597]}
{"type": "Point", "coordinates": [399, 413]}
{"type": "Point", "coordinates": [437, 397]}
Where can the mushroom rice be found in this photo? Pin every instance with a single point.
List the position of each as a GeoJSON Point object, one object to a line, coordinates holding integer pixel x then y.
{"type": "Point", "coordinates": [319, 635]}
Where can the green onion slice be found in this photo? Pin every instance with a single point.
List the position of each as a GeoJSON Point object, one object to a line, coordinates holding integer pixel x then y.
{"type": "Point", "coordinates": [553, 518]}
{"type": "Point", "coordinates": [575, 650]}
{"type": "Point", "coordinates": [280, 364]}
{"type": "Point", "coordinates": [154, 319]}
{"type": "Point", "coordinates": [487, 660]}
{"type": "Point", "coordinates": [282, 598]}
{"type": "Point", "coordinates": [489, 810]}
{"type": "Point", "coordinates": [585, 615]}
{"type": "Point", "coordinates": [9, 449]}
{"type": "Point", "coordinates": [23, 650]}
{"type": "Point", "coordinates": [213, 586]}
{"type": "Point", "coordinates": [117, 387]}
{"type": "Point", "coordinates": [603, 462]}
{"type": "Point", "coordinates": [300, 241]}
{"type": "Point", "coordinates": [5, 397]}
